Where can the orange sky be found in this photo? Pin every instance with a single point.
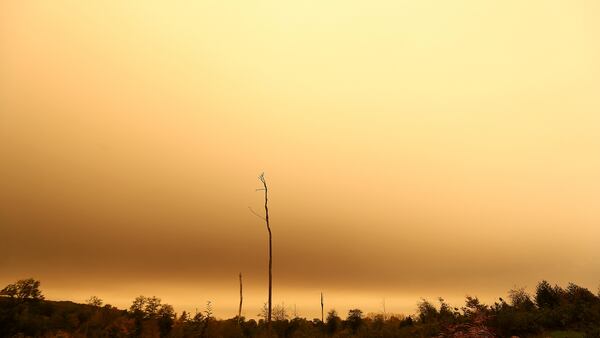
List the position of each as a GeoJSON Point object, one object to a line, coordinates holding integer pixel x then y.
{"type": "Point", "coordinates": [413, 148]}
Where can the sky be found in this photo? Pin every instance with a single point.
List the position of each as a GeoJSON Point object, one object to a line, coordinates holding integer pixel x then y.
{"type": "Point", "coordinates": [412, 149]}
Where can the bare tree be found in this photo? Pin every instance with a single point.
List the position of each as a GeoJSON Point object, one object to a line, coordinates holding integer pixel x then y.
{"type": "Point", "coordinates": [266, 218]}
{"type": "Point", "coordinates": [280, 312]}
{"type": "Point", "coordinates": [241, 299]}
{"type": "Point", "coordinates": [322, 307]}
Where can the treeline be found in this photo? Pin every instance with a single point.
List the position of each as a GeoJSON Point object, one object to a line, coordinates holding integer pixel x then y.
{"type": "Point", "coordinates": [573, 310]}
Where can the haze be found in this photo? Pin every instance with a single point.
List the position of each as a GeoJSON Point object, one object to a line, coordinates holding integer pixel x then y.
{"type": "Point", "coordinates": [412, 148]}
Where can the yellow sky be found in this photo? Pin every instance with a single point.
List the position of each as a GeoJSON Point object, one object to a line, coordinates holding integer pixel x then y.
{"type": "Point", "coordinates": [414, 148]}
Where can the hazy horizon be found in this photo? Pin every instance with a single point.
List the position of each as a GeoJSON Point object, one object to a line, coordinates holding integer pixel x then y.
{"type": "Point", "coordinates": [413, 149]}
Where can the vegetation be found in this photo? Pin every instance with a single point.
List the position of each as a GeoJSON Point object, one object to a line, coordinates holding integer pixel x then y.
{"type": "Point", "coordinates": [552, 311]}
{"type": "Point", "coordinates": [23, 289]}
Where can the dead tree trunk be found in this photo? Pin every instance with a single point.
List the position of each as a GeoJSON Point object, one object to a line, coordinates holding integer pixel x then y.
{"type": "Point", "coordinates": [241, 299]}
{"type": "Point", "coordinates": [322, 307]}
{"type": "Point", "coordinates": [264, 182]}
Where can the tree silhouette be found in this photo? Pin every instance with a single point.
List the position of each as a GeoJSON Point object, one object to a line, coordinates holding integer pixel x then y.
{"type": "Point", "coordinates": [354, 319]}
{"type": "Point", "coordinates": [207, 319]}
{"type": "Point", "coordinates": [241, 299]}
{"type": "Point", "coordinates": [266, 218]}
{"type": "Point", "coordinates": [574, 309]}
{"type": "Point", "coordinates": [333, 322]}
{"type": "Point", "coordinates": [23, 289]}
{"type": "Point", "coordinates": [280, 312]}
{"type": "Point", "coordinates": [547, 296]}
{"type": "Point", "coordinates": [321, 306]}
{"type": "Point", "coordinates": [427, 311]}
{"type": "Point", "coordinates": [152, 306]}
{"type": "Point", "coordinates": [520, 299]}
{"type": "Point", "coordinates": [94, 301]}
{"type": "Point", "coordinates": [137, 307]}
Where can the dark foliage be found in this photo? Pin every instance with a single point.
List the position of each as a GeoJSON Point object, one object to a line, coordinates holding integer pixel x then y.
{"type": "Point", "coordinates": [24, 313]}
